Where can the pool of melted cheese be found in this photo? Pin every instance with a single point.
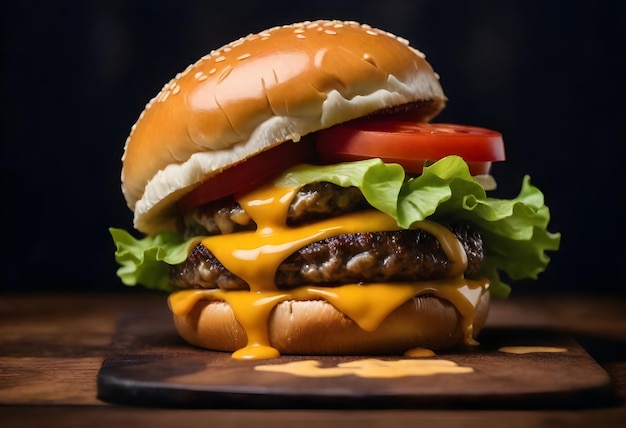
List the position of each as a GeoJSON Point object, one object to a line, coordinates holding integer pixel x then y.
{"type": "Point", "coordinates": [369, 368]}
{"type": "Point", "coordinates": [255, 256]}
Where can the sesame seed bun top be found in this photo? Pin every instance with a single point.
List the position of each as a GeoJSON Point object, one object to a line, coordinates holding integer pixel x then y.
{"type": "Point", "coordinates": [258, 92]}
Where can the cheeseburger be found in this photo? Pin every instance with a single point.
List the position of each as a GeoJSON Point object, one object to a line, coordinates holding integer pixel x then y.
{"type": "Point", "coordinates": [294, 198]}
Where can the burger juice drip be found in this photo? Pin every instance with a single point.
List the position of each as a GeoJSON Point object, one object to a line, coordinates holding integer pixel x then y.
{"type": "Point", "coordinates": [255, 256]}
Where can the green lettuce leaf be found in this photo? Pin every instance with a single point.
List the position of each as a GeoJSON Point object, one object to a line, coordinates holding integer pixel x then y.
{"type": "Point", "coordinates": [146, 261]}
{"type": "Point", "coordinates": [380, 183]}
{"type": "Point", "coordinates": [515, 235]}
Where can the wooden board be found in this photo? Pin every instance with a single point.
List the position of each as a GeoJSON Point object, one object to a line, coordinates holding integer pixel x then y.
{"type": "Point", "coordinates": [150, 365]}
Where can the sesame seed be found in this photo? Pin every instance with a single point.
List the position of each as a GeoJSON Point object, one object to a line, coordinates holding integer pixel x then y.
{"type": "Point", "coordinates": [198, 75]}
{"type": "Point", "coordinates": [419, 53]}
{"type": "Point", "coordinates": [220, 58]}
{"type": "Point", "coordinates": [299, 30]}
{"type": "Point", "coordinates": [212, 71]}
{"type": "Point", "coordinates": [402, 40]}
{"type": "Point", "coordinates": [224, 74]}
{"type": "Point", "coordinates": [203, 78]}
{"type": "Point", "coordinates": [372, 33]}
{"type": "Point", "coordinates": [176, 89]}
{"type": "Point", "coordinates": [244, 56]}
{"type": "Point", "coordinates": [368, 58]}
{"type": "Point", "coordinates": [300, 36]}
{"type": "Point", "coordinates": [186, 71]}
{"type": "Point", "coordinates": [331, 32]}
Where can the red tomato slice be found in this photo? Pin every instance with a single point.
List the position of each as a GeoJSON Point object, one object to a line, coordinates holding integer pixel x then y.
{"type": "Point", "coordinates": [249, 173]}
{"type": "Point", "coordinates": [410, 144]}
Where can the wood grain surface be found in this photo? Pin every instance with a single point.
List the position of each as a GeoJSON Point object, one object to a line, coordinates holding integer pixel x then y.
{"type": "Point", "coordinates": [150, 366]}
{"type": "Point", "coordinates": [53, 345]}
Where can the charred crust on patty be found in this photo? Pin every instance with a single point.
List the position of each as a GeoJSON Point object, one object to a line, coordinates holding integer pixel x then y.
{"type": "Point", "coordinates": [314, 201]}
{"type": "Point", "coordinates": [394, 256]}
{"type": "Point", "coordinates": [366, 257]}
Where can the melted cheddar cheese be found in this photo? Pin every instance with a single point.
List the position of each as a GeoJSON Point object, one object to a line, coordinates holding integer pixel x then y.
{"type": "Point", "coordinates": [255, 256]}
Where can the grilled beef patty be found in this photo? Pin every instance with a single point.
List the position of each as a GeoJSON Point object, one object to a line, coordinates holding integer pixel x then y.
{"type": "Point", "coordinates": [404, 255]}
{"type": "Point", "coordinates": [312, 202]}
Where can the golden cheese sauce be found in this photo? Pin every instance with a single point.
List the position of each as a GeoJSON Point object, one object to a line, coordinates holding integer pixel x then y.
{"type": "Point", "coordinates": [368, 368]}
{"type": "Point", "coordinates": [255, 256]}
{"type": "Point", "coordinates": [419, 352]}
{"type": "Point", "coordinates": [530, 349]}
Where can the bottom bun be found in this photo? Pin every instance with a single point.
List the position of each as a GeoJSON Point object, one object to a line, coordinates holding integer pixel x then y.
{"type": "Point", "coordinates": [315, 327]}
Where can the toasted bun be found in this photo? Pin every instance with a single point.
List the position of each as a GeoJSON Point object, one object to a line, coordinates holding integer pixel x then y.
{"type": "Point", "coordinates": [260, 91]}
{"type": "Point", "coordinates": [315, 327]}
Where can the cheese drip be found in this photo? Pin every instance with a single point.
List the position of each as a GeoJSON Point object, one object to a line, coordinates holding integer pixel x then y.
{"type": "Point", "coordinates": [255, 256]}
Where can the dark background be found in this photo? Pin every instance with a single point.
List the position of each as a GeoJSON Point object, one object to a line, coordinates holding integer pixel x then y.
{"type": "Point", "coordinates": [76, 74]}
